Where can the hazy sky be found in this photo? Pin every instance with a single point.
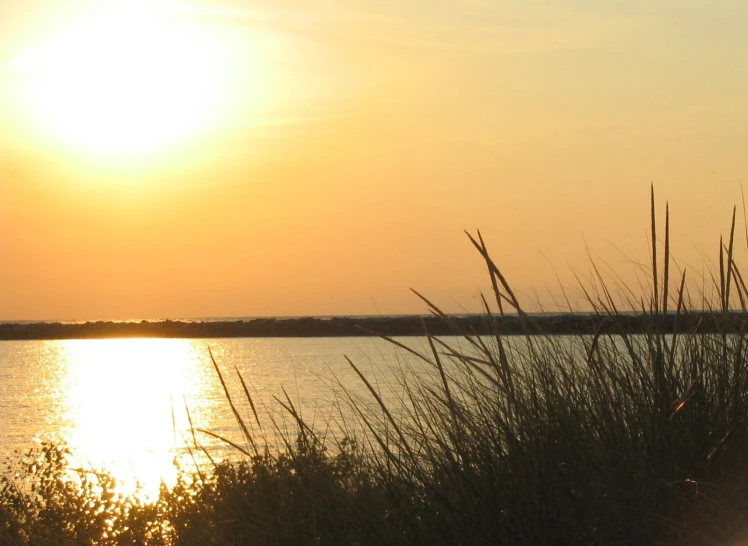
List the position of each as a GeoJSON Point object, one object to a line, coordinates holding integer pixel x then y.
{"type": "Point", "coordinates": [343, 146]}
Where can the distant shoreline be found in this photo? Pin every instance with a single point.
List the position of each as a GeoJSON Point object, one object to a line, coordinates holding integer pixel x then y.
{"type": "Point", "coordinates": [406, 325]}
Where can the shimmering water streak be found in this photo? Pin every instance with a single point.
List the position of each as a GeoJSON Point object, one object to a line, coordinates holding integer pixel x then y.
{"type": "Point", "coordinates": [122, 404]}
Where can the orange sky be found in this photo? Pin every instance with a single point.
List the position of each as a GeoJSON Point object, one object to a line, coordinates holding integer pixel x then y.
{"type": "Point", "coordinates": [351, 144]}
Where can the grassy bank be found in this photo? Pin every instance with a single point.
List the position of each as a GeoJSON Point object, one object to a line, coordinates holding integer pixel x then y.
{"type": "Point", "coordinates": [609, 438]}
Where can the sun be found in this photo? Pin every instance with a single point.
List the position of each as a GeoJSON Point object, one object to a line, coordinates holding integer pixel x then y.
{"type": "Point", "coordinates": [125, 82]}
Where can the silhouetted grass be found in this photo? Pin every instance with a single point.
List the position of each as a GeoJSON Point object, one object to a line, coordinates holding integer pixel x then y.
{"type": "Point", "coordinates": [610, 438]}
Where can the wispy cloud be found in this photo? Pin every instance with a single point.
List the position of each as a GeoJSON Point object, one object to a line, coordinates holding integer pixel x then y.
{"type": "Point", "coordinates": [468, 26]}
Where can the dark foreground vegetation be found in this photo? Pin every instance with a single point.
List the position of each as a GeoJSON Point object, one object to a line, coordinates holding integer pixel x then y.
{"type": "Point", "coordinates": [609, 438]}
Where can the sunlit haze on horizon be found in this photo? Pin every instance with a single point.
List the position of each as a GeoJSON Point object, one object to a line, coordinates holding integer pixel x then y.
{"type": "Point", "coordinates": [322, 157]}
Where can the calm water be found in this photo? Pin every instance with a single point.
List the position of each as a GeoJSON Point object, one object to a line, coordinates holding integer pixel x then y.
{"type": "Point", "coordinates": [126, 404]}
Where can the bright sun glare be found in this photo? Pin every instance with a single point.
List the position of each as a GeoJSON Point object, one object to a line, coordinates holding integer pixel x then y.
{"type": "Point", "coordinates": [125, 405]}
{"type": "Point", "coordinates": [128, 81]}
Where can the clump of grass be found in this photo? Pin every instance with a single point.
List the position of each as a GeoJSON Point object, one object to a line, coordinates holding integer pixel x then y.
{"type": "Point", "coordinates": [43, 501]}
{"type": "Point", "coordinates": [618, 437]}
{"type": "Point", "coordinates": [301, 496]}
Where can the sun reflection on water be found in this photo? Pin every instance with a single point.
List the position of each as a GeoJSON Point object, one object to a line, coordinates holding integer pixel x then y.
{"type": "Point", "coordinates": [120, 404]}
{"type": "Point", "coordinates": [125, 403]}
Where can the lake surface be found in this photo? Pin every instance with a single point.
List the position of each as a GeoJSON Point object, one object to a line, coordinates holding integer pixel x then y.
{"type": "Point", "coordinates": [131, 405]}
